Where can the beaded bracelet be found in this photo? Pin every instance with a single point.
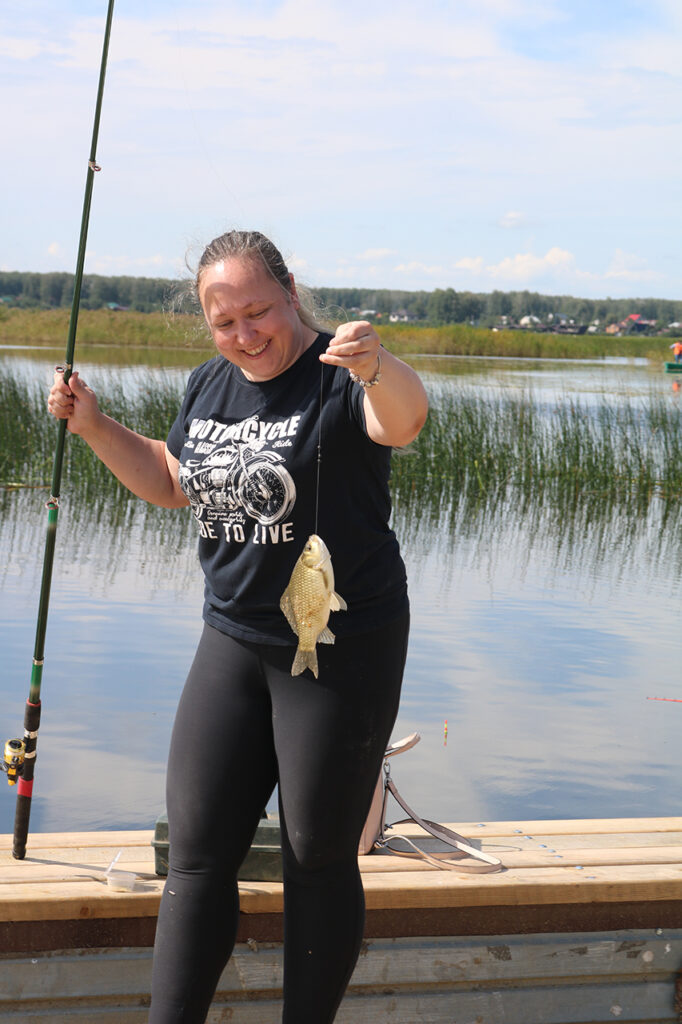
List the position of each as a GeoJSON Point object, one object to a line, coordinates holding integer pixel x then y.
{"type": "Point", "coordinates": [357, 379]}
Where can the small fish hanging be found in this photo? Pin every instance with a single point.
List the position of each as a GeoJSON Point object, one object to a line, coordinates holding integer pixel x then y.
{"type": "Point", "coordinates": [307, 602]}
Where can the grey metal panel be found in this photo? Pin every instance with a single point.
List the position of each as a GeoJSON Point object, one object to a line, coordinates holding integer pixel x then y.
{"type": "Point", "coordinates": [539, 979]}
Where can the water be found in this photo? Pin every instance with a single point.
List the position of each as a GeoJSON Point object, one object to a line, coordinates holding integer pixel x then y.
{"type": "Point", "coordinates": [539, 648]}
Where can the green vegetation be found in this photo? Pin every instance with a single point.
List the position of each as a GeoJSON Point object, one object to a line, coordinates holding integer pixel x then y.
{"type": "Point", "coordinates": [440, 306]}
{"type": "Point", "coordinates": [103, 327]}
{"type": "Point", "coordinates": [499, 448]}
{"type": "Point", "coordinates": [55, 290]}
{"type": "Point", "coordinates": [478, 455]}
{"type": "Point", "coordinates": [145, 331]}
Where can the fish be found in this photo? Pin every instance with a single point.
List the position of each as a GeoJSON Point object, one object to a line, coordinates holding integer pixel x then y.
{"type": "Point", "coordinates": [307, 602]}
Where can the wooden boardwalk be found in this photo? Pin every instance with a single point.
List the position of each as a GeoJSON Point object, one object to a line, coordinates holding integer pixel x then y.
{"type": "Point", "coordinates": [588, 885]}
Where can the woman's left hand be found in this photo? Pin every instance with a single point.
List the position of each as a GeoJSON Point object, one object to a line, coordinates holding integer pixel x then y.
{"type": "Point", "coordinates": [395, 410]}
{"type": "Point", "coordinates": [355, 346]}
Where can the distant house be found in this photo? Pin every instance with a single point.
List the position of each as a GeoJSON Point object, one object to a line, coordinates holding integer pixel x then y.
{"type": "Point", "coordinates": [530, 322]}
{"type": "Point", "coordinates": [636, 324]}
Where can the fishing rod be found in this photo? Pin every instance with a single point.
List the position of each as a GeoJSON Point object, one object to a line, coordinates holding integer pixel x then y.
{"type": "Point", "coordinates": [20, 754]}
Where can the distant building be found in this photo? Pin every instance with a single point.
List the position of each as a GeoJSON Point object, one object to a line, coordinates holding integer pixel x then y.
{"type": "Point", "coordinates": [530, 322]}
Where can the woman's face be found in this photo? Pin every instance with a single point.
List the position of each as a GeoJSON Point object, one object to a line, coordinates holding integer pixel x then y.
{"type": "Point", "coordinates": [254, 323]}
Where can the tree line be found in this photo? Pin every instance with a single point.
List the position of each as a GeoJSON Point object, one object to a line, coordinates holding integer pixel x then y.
{"type": "Point", "coordinates": [440, 306]}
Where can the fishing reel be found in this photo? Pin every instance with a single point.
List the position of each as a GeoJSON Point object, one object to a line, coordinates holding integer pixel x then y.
{"type": "Point", "coordinates": [13, 760]}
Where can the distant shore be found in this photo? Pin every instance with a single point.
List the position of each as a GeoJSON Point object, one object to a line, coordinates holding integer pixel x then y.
{"type": "Point", "coordinates": [181, 331]}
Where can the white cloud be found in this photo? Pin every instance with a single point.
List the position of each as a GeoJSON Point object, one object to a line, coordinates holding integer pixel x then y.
{"type": "Point", "coordinates": [512, 219]}
{"type": "Point", "coordinates": [526, 266]}
{"type": "Point", "coordinates": [628, 266]}
{"type": "Point", "coordinates": [109, 263]}
{"type": "Point", "coordinates": [474, 264]}
{"type": "Point", "coordinates": [55, 249]}
{"type": "Point", "coordinates": [458, 126]}
{"type": "Point", "coordinates": [376, 254]}
{"type": "Point", "coordinates": [417, 268]}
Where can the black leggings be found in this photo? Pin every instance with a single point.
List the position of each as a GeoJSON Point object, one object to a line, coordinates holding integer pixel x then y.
{"type": "Point", "coordinates": [243, 725]}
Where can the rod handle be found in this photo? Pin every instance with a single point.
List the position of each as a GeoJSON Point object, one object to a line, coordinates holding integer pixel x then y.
{"type": "Point", "coordinates": [21, 819]}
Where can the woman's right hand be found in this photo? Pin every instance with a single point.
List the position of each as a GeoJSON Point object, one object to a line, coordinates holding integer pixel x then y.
{"type": "Point", "coordinates": [74, 402]}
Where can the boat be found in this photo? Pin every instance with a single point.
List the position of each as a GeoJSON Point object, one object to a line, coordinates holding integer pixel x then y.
{"type": "Point", "coordinates": [673, 367]}
{"type": "Point", "coordinates": [584, 923]}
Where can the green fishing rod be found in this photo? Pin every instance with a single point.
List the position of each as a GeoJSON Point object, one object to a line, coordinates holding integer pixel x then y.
{"type": "Point", "coordinates": [20, 755]}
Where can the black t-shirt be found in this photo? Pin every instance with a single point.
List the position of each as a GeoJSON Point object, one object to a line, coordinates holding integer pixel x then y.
{"type": "Point", "coordinates": [248, 456]}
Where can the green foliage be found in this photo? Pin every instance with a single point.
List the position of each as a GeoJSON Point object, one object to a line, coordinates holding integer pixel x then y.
{"type": "Point", "coordinates": [179, 331]}
{"type": "Point", "coordinates": [476, 450]}
{"type": "Point", "coordinates": [441, 306]}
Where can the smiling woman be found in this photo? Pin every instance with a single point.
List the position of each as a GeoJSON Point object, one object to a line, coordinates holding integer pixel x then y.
{"type": "Point", "coordinates": [253, 320]}
{"type": "Point", "coordinates": [244, 453]}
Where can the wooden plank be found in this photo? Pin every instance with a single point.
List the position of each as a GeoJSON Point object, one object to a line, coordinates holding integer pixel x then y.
{"type": "Point", "coordinates": [573, 826]}
{"type": "Point", "coordinates": [565, 862]}
{"type": "Point", "coordinates": [539, 858]}
{"type": "Point", "coordinates": [51, 872]}
{"type": "Point", "coordinates": [395, 890]}
{"type": "Point", "coordinates": [523, 886]}
{"type": "Point", "coordinates": [551, 827]}
{"type": "Point", "coordinates": [54, 872]}
{"type": "Point", "coordinates": [558, 840]}
{"type": "Point", "coordinates": [65, 840]}
{"type": "Point", "coordinates": [610, 840]}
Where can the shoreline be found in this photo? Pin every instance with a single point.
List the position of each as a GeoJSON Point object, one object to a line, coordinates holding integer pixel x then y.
{"type": "Point", "coordinates": [128, 329]}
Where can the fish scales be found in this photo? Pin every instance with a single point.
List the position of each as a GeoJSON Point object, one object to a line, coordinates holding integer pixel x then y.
{"type": "Point", "coordinates": [307, 602]}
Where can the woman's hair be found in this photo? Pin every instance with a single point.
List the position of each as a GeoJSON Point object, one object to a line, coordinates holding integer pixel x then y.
{"type": "Point", "coordinates": [253, 245]}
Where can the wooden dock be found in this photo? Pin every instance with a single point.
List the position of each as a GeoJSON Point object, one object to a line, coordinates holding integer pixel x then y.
{"type": "Point", "coordinates": [584, 924]}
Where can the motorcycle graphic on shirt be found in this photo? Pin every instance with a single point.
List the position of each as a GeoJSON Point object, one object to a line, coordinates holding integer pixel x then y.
{"type": "Point", "coordinates": [239, 476]}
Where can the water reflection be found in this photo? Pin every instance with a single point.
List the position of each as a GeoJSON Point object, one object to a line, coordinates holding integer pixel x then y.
{"type": "Point", "coordinates": [543, 617]}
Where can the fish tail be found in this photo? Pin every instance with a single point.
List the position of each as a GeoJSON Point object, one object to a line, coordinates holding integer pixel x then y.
{"type": "Point", "coordinates": [304, 660]}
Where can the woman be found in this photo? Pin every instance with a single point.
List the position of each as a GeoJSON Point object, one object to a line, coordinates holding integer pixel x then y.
{"type": "Point", "coordinates": [285, 433]}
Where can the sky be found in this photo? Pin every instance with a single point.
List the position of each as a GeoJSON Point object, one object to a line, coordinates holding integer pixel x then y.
{"type": "Point", "coordinates": [472, 144]}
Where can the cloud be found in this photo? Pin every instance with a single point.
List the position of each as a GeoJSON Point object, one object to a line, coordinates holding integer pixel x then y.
{"type": "Point", "coordinates": [376, 254]}
{"type": "Point", "coordinates": [55, 249]}
{"type": "Point", "coordinates": [512, 219]}
{"type": "Point", "coordinates": [417, 268]}
{"type": "Point", "coordinates": [113, 264]}
{"type": "Point", "coordinates": [526, 266]}
{"type": "Point", "coordinates": [630, 267]}
{"type": "Point", "coordinates": [559, 270]}
{"type": "Point", "coordinates": [471, 120]}
{"type": "Point", "coordinates": [474, 264]}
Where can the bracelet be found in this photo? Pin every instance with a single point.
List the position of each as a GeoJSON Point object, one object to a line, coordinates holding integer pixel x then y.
{"type": "Point", "coordinates": [367, 383]}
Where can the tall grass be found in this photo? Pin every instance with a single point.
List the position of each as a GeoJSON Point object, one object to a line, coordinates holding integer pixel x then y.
{"type": "Point", "coordinates": [492, 447]}
{"type": "Point", "coordinates": [185, 331]}
{"type": "Point", "coordinates": [482, 459]}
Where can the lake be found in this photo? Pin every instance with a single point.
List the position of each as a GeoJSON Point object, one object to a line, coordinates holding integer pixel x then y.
{"type": "Point", "coordinates": [540, 641]}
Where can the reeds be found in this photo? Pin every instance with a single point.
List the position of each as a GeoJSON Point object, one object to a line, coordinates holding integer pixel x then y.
{"type": "Point", "coordinates": [492, 447]}
{"type": "Point", "coordinates": [483, 459]}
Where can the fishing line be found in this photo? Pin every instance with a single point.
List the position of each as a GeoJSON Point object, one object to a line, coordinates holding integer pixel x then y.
{"type": "Point", "coordinates": [319, 453]}
{"type": "Point", "coordinates": [26, 769]}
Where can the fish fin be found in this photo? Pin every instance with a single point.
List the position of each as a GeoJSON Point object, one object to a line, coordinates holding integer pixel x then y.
{"type": "Point", "coordinates": [287, 607]}
{"type": "Point", "coordinates": [326, 636]}
{"type": "Point", "coordinates": [337, 603]}
{"type": "Point", "coordinates": [304, 660]}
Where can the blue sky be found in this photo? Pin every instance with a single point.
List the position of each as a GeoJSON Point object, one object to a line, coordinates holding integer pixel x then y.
{"type": "Point", "coordinates": [477, 145]}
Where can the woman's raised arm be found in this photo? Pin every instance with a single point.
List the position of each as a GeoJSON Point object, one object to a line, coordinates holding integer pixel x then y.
{"type": "Point", "coordinates": [397, 406]}
{"type": "Point", "coordinates": [144, 465]}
